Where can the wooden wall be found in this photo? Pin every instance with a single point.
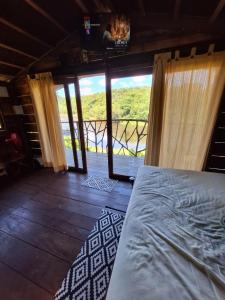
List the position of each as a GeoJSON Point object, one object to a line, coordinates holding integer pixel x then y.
{"type": "Point", "coordinates": [22, 93]}
{"type": "Point", "coordinates": [216, 157]}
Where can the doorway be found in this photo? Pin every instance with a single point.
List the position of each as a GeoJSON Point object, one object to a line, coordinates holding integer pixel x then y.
{"type": "Point", "coordinates": [128, 98]}
{"type": "Point", "coordinates": [104, 122]}
{"type": "Point", "coordinates": [93, 102]}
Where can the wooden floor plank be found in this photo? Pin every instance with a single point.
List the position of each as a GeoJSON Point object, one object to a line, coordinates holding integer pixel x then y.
{"type": "Point", "coordinates": [44, 220]}
{"type": "Point", "coordinates": [51, 241]}
{"type": "Point", "coordinates": [41, 268]}
{"type": "Point", "coordinates": [13, 286]}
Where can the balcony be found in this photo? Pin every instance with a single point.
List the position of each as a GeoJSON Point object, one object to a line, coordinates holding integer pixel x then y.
{"type": "Point", "coordinates": [129, 144]}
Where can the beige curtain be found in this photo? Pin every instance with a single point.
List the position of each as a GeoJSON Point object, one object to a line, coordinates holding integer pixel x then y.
{"type": "Point", "coordinates": [45, 103]}
{"type": "Point", "coordinates": [156, 110]}
{"type": "Point", "coordinates": [192, 93]}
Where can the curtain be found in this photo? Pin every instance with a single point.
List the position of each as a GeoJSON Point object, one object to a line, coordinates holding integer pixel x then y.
{"type": "Point", "coordinates": [45, 104]}
{"type": "Point", "coordinates": [156, 110]}
{"type": "Point", "coordinates": [191, 96]}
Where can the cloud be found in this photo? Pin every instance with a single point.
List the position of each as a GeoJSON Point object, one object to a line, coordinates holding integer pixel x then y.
{"type": "Point", "coordinates": [124, 85]}
{"type": "Point", "coordinates": [102, 82]}
{"type": "Point", "coordinates": [114, 81]}
{"type": "Point", "coordinates": [138, 79]}
{"type": "Point", "coordinates": [85, 82]}
{"type": "Point", "coordinates": [86, 91]}
{"type": "Point", "coordinates": [60, 92]}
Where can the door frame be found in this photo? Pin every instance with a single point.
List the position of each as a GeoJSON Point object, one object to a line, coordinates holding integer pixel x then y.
{"type": "Point", "coordinates": [65, 82]}
{"type": "Point", "coordinates": [109, 76]}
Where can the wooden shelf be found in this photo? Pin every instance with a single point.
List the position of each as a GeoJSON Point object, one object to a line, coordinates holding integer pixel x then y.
{"type": "Point", "coordinates": [5, 99]}
{"type": "Point", "coordinates": [3, 132]}
{"type": "Point", "coordinates": [25, 95]}
{"type": "Point", "coordinates": [21, 157]}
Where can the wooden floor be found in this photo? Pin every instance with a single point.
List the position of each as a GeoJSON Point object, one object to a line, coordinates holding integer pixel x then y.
{"type": "Point", "coordinates": [44, 220]}
{"type": "Point", "coordinates": [123, 164]}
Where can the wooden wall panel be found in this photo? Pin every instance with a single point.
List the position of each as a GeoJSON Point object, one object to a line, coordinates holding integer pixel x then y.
{"type": "Point", "coordinates": [28, 109]}
{"type": "Point", "coordinates": [24, 100]}
{"type": "Point", "coordinates": [216, 157]}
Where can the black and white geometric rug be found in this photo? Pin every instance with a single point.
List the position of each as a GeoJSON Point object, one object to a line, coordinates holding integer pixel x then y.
{"type": "Point", "coordinates": [89, 276]}
{"type": "Point", "coordinates": [100, 183]}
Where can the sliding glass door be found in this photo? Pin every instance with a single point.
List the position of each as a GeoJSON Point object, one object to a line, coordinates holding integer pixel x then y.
{"type": "Point", "coordinates": [92, 90]}
{"type": "Point", "coordinates": [71, 119]}
{"type": "Point", "coordinates": [105, 118]}
{"type": "Point", "coordinates": [128, 106]}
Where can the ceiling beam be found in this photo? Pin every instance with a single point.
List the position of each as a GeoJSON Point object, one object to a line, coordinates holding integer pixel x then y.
{"type": "Point", "coordinates": [157, 22]}
{"type": "Point", "coordinates": [217, 11]}
{"type": "Point", "coordinates": [141, 7]}
{"type": "Point", "coordinates": [17, 51]}
{"type": "Point", "coordinates": [42, 12]}
{"type": "Point", "coordinates": [176, 10]}
{"type": "Point", "coordinates": [109, 5]}
{"type": "Point", "coordinates": [101, 8]}
{"type": "Point", "coordinates": [5, 77]}
{"type": "Point", "coordinates": [172, 42]}
{"type": "Point", "coordinates": [5, 63]}
{"type": "Point", "coordinates": [49, 52]}
{"type": "Point", "coordinates": [25, 33]}
{"type": "Point", "coordinates": [82, 6]}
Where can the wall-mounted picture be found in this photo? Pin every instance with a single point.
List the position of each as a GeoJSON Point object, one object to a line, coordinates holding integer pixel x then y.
{"type": "Point", "coordinates": [105, 32]}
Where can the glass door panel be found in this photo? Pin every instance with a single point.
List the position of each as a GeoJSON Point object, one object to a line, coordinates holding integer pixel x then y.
{"type": "Point", "coordinates": [76, 124]}
{"type": "Point", "coordinates": [130, 98]}
{"type": "Point", "coordinates": [92, 94]}
{"type": "Point", "coordinates": [70, 119]}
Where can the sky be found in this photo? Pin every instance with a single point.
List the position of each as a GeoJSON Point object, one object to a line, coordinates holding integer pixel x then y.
{"type": "Point", "coordinates": [95, 84]}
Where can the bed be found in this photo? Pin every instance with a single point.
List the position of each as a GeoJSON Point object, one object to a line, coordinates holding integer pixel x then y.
{"type": "Point", "coordinates": [172, 244]}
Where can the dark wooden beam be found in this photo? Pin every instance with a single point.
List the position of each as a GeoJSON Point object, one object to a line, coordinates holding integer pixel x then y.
{"type": "Point", "coordinates": [2, 62]}
{"type": "Point", "coordinates": [5, 77]}
{"type": "Point", "coordinates": [217, 11]}
{"type": "Point", "coordinates": [158, 21]}
{"type": "Point", "coordinates": [22, 31]}
{"type": "Point", "coordinates": [176, 10]}
{"type": "Point", "coordinates": [101, 8]}
{"type": "Point", "coordinates": [82, 6]}
{"type": "Point", "coordinates": [14, 58]}
{"type": "Point", "coordinates": [172, 42]}
{"type": "Point", "coordinates": [17, 51]}
{"type": "Point", "coordinates": [139, 53]}
{"type": "Point", "coordinates": [8, 70]}
{"type": "Point", "coordinates": [141, 7]}
{"type": "Point", "coordinates": [50, 51]}
{"type": "Point", "coordinates": [42, 12]}
{"type": "Point", "coordinates": [109, 5]}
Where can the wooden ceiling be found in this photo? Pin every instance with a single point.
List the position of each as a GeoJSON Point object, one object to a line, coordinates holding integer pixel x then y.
{"type": "Point", "coordinates": [38, 32]}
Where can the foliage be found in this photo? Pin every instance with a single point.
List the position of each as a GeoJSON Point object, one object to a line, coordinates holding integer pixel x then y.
{"type": "Point", "coordinates": [127, 103]}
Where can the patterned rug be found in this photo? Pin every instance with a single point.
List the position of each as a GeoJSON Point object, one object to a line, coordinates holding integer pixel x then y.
{"type": "Point", "coordinates": [89, 276]}
{"type": "Point", "coordinates": [100, 183]}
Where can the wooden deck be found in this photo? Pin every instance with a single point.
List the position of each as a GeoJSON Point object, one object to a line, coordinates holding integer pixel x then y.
{"type": "Point", "coordinates": [123, 164]}
{"type": "Point", "coordinates": [44, 220]}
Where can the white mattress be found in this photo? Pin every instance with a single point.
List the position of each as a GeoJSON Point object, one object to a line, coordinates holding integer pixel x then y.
{"type": "Point", "coordinates": [172, 244]}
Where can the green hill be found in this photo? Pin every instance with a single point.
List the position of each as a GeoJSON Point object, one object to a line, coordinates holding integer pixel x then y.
{"type": "Point", "coordinates": [127, 103]}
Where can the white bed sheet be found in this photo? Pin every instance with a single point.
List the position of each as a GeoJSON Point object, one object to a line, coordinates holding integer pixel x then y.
{"type": "Point", "coordinates": [172, 244]}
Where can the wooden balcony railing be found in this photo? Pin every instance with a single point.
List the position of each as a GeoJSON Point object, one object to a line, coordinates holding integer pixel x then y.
{"type": "Point", "coordinates": [128, 135]}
